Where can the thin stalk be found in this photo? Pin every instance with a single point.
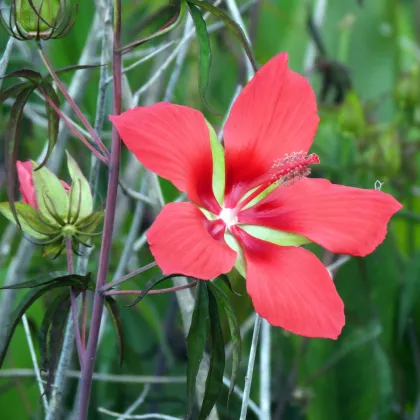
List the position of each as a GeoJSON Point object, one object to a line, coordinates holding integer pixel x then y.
{"type": "Point", "coordinates": [72, 128]}
{"type": "Point", "coordinates": [70, 100]}
{"type": "Point", "coordinates": [250, 370]}
{"type": "Point", "coordinates": [265, 371]}
{"type": "Point", "coordinates": [151, 292]}
{"type": "Point", "coordinates": [74, 305]}
{"type": "Point", "coordinates": [35, 362]}
{"type": "Point", "coordinates": [128, 276]}
{"type": "Point", "coordinates": [111, 200]}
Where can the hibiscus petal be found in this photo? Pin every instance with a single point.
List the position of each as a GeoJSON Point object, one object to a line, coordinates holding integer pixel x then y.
{"type": "Point", "coordinates": [174, 142]}
{"type": "Point", "coordinates": [275, 114]}
{"type": "Point", "coordinates": [290, 288]}
{"type": "Point", "coordinates": [181, 243]}
{"type": "Point", "coordinates": [344, 220]}
{"type": "Point", "coordinates": [26, 188]}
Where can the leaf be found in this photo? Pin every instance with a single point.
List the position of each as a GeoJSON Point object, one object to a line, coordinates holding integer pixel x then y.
{"type": "Point", "coordinates": [196, 340]}
{"type": "Point", "coordinates": [32, 296]}
{"type": "Point", "coordinates": [114, 312]}
{"type": "Point", "coordinates": [13, 91]}
{"type": "Point", "coordinates": [29, 219]}
{"type": "Point", "coordinates": [81, 201]}
{"type": "Point", "coordinates": [55, 276]}
{"type": "Point", "coordinates": [235, 331]}
{"type": "Point", "coordinates": [151, 283]}
{"type": "Point", "coordinates": [409, 293]}
{"type": "Point", "coordinates": [53, 120]}
{"type": "Point", "coordinates": [51, 196]}
{"type": "Point", "coordinates": [28, 74]}
{"type": "Point", "coordinates": [12, 143]}
{"type": "Point", "coordinates": [172, 24]}
{"type": "Point", "coordinates": [219, 13]}
{"type": "Point", "coordinates": [214, 379]}
{"type": "Point", "coordinates": [46, 324]}
{"type": "Point", "coordinates": [74, 67]}
{"type": "Point", "coordinates": [204, 52]}
{"type": "Point", "coordinates": [56, 338]}
{"type": "Point", "coordinates": [225, 279]}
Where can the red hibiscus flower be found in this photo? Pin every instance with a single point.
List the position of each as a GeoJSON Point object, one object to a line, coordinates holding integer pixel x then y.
{"type": "Point", "coordinates": [26, 187]}
{"type": "Point", "coordinates": [251, 203]}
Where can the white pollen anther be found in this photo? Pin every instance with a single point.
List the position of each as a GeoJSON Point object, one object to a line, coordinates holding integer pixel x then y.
{"type": "Point", "coordinates": [229, 217]}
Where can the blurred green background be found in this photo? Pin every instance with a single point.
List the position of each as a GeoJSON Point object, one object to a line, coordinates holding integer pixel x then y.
{"type": "Point", "coordinates": [372, 134]}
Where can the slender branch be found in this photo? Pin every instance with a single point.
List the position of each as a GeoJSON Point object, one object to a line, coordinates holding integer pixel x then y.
{"type": "Point", "coordinates": [265, 371]}
{"type": "Point", "coordinates": [100, 377]}
{"type": "Point", "coordinates": [237, 391]}
{"type": "Point", "coordinates": [134, 273]}
{"type": "Point", "coordinates": [35, 362]}
{"type": "Point", "coordinates": [250, 370]}
{"type": "Point", "coordinates": [72, 129]}
{"type": "Point", "coordinates": [151, 292]}
{"type": "Point", "coordinates": [70, 100]}
{"type": "Point", "coordinates": [111, 199]}
{"type": "Point", "coordinates": [5, 58]}
{"type": "Point", "coordinates": [137, 403]}
{"type": "Point", "coordinates": [139, 416]}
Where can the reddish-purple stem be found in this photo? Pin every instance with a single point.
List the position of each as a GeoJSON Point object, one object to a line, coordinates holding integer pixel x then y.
{"type": "Point", "coordinates": [72, 128]}
{"type": "Point", "coordinates": [73, 104]}
{"type": "Point", "coordinates": [151, 292]}
{"type": "Point", "coordinates": [111, 200]}
{"type": "Point", "coordinates": [73, 301]}
{"type": "Point", "coordinates": [84, 319]}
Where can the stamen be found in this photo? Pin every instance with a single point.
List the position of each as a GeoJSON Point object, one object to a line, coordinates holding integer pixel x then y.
{"type": "Point", "coordinates": [286, 171]}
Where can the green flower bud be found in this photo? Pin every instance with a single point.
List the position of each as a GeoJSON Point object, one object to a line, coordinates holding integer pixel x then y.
{"type": "Point", "coordinates": [61, 212]}
{"type": "Point", "coordinates": [40, 19]}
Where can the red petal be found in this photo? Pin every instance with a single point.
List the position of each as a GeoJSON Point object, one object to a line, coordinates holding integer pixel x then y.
{"type": "Point", "coordinates": [174, 142]}
{"type": "Point", "coordinates": [275, 114]}
{"type": "Point", "coordinates": [344, 220]}
{"type": "Point", "coordinates": [291, 288]}
{"type": "Point", "coordinates": [27, 189]}
{"type": "Point", "coordinates": [180, 241]}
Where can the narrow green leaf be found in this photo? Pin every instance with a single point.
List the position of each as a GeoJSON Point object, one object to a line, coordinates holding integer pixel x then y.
{"type": "Point", "coordinates": [28, 74]}
{"type": "Point", "coordinates": [235, 331]}
{"type": "Point", "coordinates": [27, 301]}
{"type": "Point", "coordinates": [12, 145]}
{"type": "Point", "coordinates": [114, 312]}
{"type": "Point", "coordinates": [56, 338]}
{"type": "Point", "coordinates": [204, 51]}
{"type": "Point", "coordinates": [55, 276]}
{"type": "Point", "coordinates": [214, 381]}
{"type": "Point", "coordinates": [172, 24]}
{"type": "Point", "coordinates": [151, 283]}
{"type": "Point", "coordinates": [73, 68]}
{"type": "Point", "coordinates": [29, 219]}
{"type": "Point", "coordinates": [196, 340]}
{"type": "Point", "coordinates": [219, 13]}
{"type": "Point", "coordinates": [225, 279]}
{"type": "Point", "coordinates": [53, 120]}
{"type": "Point", "coordinates": [90, 223]}
{"type": "Point", "coordinates": [13, 91]}
{"type": "Point", "coordinates": [410, 292]}
{"type": "Point", "coordinates": [51, 196]}
{"type": "Point", "coordinates": [80, 190]}
{"type": "Point", "coordinates": [46, 324]}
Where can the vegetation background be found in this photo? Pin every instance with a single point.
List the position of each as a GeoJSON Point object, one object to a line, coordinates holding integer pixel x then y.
{"type": "Point", "coordinates": [373, 370]}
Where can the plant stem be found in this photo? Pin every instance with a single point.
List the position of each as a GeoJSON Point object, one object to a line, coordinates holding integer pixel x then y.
{"type": "Point", "coordinates": [265, 370]}
{"type": "Point", "coordinates": [70, 100]}
{"type": "Point", "coordinates": [34, 361]}
{"type": "Point", "coordinates": [250, 370]}
{"type": "Point", "coordinates": [74, 305]}
{"type": "Point", "coordinates": [151, 292]}
{"type": "Point", "coordinates": [111, 200]}
{"type": "Point", "coordinates": [134, 273]}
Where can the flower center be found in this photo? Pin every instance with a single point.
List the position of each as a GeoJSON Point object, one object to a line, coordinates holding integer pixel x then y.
{"type": "Point", "coordinates": [229, 217]}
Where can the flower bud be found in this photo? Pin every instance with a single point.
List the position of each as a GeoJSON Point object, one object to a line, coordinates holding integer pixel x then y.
{"type": "Point", "coordinates": [40, 19]}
